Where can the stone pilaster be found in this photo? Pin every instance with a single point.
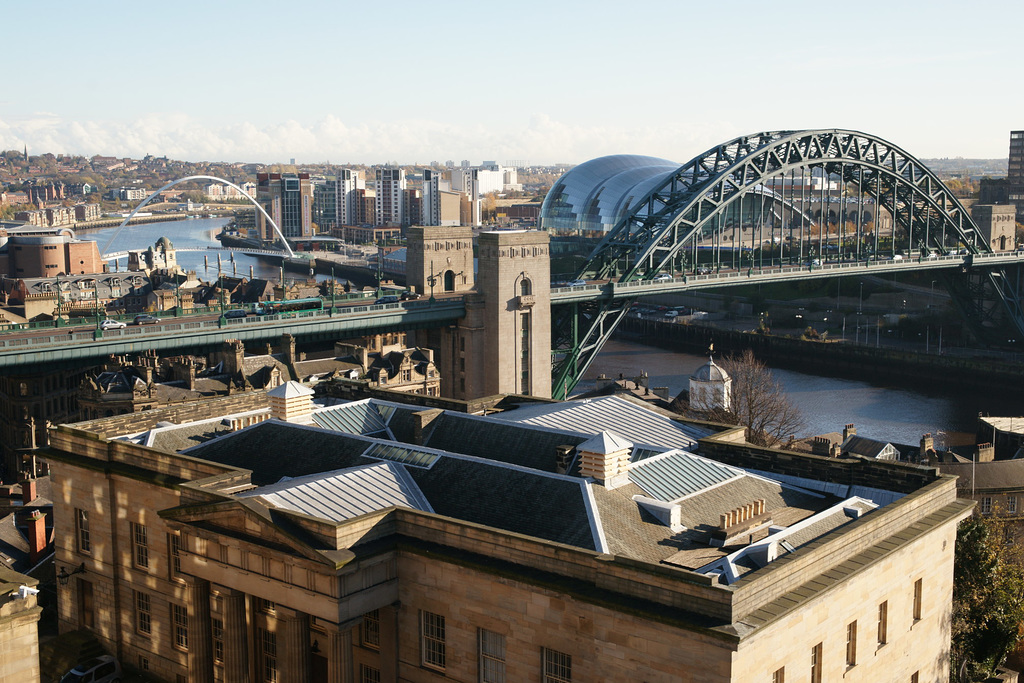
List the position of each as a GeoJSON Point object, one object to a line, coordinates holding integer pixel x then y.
{"type": "Point", "coordinates": [236, 638]}
{"type": "Point", "coordinates": [340, 667]}
{"type": "Point", "coordinates": [293, 663]}
{"type": "Point", "coordinates": [200, 639]}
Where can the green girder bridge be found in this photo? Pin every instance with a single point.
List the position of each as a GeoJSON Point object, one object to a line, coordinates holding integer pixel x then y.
{"type": "Point", "coordinates": [750, 210]}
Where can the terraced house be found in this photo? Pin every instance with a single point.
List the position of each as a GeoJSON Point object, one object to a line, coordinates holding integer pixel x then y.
{"type": "Point", "coordinates": [274, 537]}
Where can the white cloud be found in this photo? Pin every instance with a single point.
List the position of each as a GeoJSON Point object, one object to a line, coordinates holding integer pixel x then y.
{"type": "Point", "coordinates": [540, 139]}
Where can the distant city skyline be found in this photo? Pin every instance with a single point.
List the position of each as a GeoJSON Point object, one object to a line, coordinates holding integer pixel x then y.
{"type": "Point", "coordinates": [541, 82]}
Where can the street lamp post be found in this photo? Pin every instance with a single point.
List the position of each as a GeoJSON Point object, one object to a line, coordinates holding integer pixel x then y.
{"type": "Point", "coordinates": [431, 280]}
{"type": "Point", "coordinates": [56, 321]}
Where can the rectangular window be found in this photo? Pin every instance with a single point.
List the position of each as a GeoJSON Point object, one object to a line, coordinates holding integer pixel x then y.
{"type": "Point", "coordinates": [265, 606]}
{"type": "Point", "coordinates": [779, 676]}
{"type": "Point", "coordinates": [851, 644]}
{"type": "Point", "coordinates": [432, 640]}
{"type": "Point", "coordinates": [986, 505]}
{"type": "Point", "coordinates": [492, 656]}
{"type": "Point", "coordinates": [1011, 505]}
{"type": "Point", "coordinates": [816, 664]}
{"type": "Point", "coordinates": [179, 626]}
{"type": "Point", "coordinates": [371, 629]}
{"type": "Point", "coordinates": [367, 674]}
{"type": "Point", "coordinates": [268, 654]}
{"type": "Point", "coordinates": [918, 588]}
{"type": "Point", "coordinates": [557, 666]}
{"type": "Point", "coordinates": [140, 546]}
{"type": "Point", "coordinates": [883, 626]}
{"type": "Point", "coordinates": [143, 614]}
{"type": "Point", "coordinates": [82, 529]}
{"type": "Point", "coordinates": [175, 545]}
{"type": "Point", "coordinates": [217, 631]}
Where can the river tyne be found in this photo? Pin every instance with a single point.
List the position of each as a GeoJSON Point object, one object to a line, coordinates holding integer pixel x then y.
{"type": "Point", "coordinates": [900, 414]}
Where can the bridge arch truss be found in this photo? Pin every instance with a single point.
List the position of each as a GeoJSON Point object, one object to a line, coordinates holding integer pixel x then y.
{"type": "Point", "coordinates": [171, 184]}
{"type": "Point", "coordinates": [724, 206]}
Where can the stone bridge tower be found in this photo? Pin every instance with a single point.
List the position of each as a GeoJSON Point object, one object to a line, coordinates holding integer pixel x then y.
{"type": "Point", "coordinates": [503, 345]}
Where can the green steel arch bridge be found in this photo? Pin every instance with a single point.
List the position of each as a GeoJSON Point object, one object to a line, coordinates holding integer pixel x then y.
{"type": "Point", "coordinates": [785, 205]}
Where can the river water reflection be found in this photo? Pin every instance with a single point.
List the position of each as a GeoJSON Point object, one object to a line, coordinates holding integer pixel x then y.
{"type": "Point", "coordinates": [897, 414]}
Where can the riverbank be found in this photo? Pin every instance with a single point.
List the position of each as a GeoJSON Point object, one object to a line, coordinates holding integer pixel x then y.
{"type": "Point", "coordinates": [102, 223]}
{"type": "Point", "coordinates": [838, 359]}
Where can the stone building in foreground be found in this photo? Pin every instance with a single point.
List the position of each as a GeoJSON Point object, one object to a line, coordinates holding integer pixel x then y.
{"type": "Point", "coordinates": [268, 536]}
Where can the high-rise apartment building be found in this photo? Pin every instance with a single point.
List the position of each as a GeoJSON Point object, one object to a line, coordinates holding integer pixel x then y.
{"type": "Point", "coordinates": [288, 198]}
{"type": "Point", "coordinates": [348, 184]}
{"type": "Point", "coordinates": [431, 205]}
{"type": "Point", "coordinates": [1015, 172]}
{"type": "Point", "coordinates": [325, 203]}
{"type": "Point", "coordinates": [390, 202]}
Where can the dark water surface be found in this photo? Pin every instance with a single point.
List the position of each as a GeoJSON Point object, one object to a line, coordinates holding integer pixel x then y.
{"type": "Point", "coordinates": [888, 413]}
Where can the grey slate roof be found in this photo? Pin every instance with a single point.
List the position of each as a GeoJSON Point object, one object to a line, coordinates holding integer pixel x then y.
{"type": "Point", "coordinates": [475, 490]}
{"type": "Point", "coordinates": [525, 445]}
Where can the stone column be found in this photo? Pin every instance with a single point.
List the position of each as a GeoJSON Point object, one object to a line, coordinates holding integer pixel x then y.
{"type": "Point", "coordinates": [200, 638]}
{"type": "Point", "coordinates": [236, 637]}
{"type": "Point", "coordinates": [293, 663]}
{"type": "Point", "coordinates": [340, 666]}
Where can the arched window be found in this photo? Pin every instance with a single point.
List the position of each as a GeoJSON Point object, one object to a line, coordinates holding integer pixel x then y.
{"type": "Point", "coordinates": [449, 281]}
{"type": "Point", "coordinates": [525, 287]}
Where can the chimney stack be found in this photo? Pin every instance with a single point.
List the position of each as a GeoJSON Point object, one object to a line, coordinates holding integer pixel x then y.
{"type": "Point", "coordinates": [36, 533]}
{"type": "Point", "coordinates": [28, 491]}
{"type": "Point", "coordinates": [848, 431]}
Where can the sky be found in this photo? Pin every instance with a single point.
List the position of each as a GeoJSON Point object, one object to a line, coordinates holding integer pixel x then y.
{"type": "Point", "coordinates": [533, 82]}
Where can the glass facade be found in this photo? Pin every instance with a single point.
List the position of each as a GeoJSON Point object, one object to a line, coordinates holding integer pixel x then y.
{"type": "Point", "coordinates": [592, 197]}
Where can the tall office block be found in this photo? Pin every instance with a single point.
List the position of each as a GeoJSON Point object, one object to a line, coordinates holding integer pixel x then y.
{"type": "Point", "coordinates": [1015, 172]}
{"type": "Point", "coordinates": [288, 198]}
{"type": "Point", "coordinates": [390, 202]}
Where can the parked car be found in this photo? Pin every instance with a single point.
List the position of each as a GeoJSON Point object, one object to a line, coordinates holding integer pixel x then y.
{"type": "Point", "coordinates": [409, 295]}
{"type": "Point", "coordinates": [575, 283]}
{"type": "Point", "coordinates": [146, 320]}
{"type": "Point", "coordinates": [389, 299]}
{"type": "Point", "coordinates": [109, 324]}
{"type": "Point", "coordinates": [664, 277]}
{"type": "Point", "coordinates": [102, 669]}
{"type": "Point", "coordinates": [235, 313]}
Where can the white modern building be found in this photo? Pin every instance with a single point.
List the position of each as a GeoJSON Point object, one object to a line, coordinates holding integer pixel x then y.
{"type": "Point", "coordinates": [390, 199]}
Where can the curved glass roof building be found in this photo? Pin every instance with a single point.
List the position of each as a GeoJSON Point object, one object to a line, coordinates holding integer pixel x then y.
{"type": "Point", "coordinates": [592, 197]}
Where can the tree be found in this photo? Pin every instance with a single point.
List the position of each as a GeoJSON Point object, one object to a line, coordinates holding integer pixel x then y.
{"type": "Point", "coordinates": [758, 402]}
{"type": "Point", "coordinates": [988, 596]}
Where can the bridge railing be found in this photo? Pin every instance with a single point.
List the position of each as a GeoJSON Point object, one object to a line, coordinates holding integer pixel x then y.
{"type": "Point", "coordinates": [68, 336]}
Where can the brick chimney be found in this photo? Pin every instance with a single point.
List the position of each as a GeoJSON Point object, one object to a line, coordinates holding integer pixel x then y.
{"type": "Point", "coordinates": [288, 347]}
{"type": "Point", "coordinates": [28, 491]}
{"type": "Point", "coordinates": [848, 431]}
{"type": "Point", "coordinates": [563, 456]}
{"type": "Point", "coordinates": [421, 420]}
{"type": "Point", "coordinates": [927, 451]}
{"type": "Point", "coordinates": [36, 533]}
{"type": "Point", "coordinates": [986, 452]}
